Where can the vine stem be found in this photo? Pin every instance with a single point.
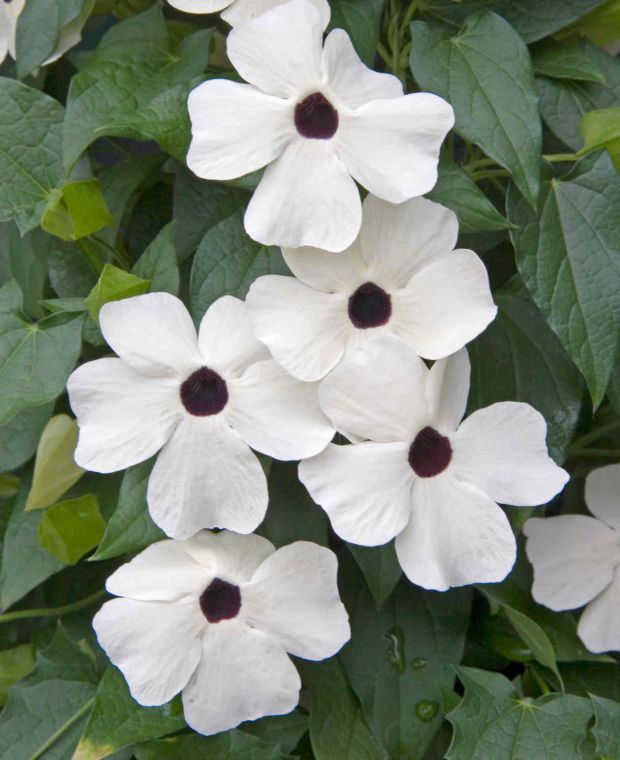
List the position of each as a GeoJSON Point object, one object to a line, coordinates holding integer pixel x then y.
{"type": "Point", "coordinates": [596, 453]}
{"type": "Point", "coordinates": [53, 611]}
{"type": "Point", "coordinates": [594, 435]}
{"type": "Point", "coordinates": [554, 158]}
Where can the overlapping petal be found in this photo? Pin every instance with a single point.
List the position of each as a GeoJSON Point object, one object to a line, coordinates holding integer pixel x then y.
{"type": "Point", "coordinates": [229, 555]}
{"type": "Point", "coordinates": [322, 270]}
{"type": "Point", "coordinates": [599, 625]}
{"type": "Point", "coordinates": [602, 494]}
{"type": "Point", "coordinates": [241, 11]}
{"type": "Point", "coordinates": [447, 389]}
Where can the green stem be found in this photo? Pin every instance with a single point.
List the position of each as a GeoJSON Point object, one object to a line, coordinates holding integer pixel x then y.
{"type": "Point", "coordinates": [53, 611]}
{"type": "Point", "coordinates": [540, 681]}
{"type": "Point", "coordinates": [557, 158]}
{"type": "Point", "coordinates": [65, 727]}
{"type": "Point", "coordinates": [596, 453]}
{"type": "Point", "coordinates": [117, 256]}
{"type": "Point", "coordinates": [486, 174]}
{"type": "Point", "coordinates": [91, 254]}
{"type": "Point", "coordinates": [594, 435]}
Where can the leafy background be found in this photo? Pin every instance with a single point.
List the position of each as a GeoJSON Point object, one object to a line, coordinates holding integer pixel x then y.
{"type": "Point", "coordinates": [96, 204]}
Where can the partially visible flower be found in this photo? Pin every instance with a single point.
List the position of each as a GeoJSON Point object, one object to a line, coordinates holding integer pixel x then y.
{"type": "Point", "coordinates": [420, 474]}
{"type": "Point", "coordinates": [400, 277]}
{"type": "Point", "coordinates": [238, 11]}
{"type": "Point", "coordinates": [576, 561]}
{"type": "Point", "coordinates": [214, 618]}
{"type": "Point", "coordinates": [319, 120]}
{"type": "Point", "coordinates": [70, 34]}
{"type": "Point", "coordinates": [204, 401]}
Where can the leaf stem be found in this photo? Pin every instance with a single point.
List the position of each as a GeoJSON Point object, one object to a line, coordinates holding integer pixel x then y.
{"type": "Point", "coordinates": [91, 255]}
{"type": "Point", "coordinates": [594, 435]}
{"type": "Point", "coordinates": [65, 727]}
{"type": "Point", "coordinates": [557, 158]}
{"type": "Point", "coordinates": [53, 611]}
{"type": "Point", "coordinates": [487, 173]}
{"type": "Point", "coordinates": [596, 453]}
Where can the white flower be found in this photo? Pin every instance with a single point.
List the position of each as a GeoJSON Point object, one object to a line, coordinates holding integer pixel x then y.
{"type": "Point", "coordinates": [400, 277]}
{"type": "Point", "coordinates": [238, 11]}
{"type": "Point", "coordinates": [320, 119]}
{"type": "Point", "coordinates": [70, 34]}
{"type": "Point", "coordinates": [203, 401]}
{"type": "Point", "coordinates": [214, 617]}
{"type": "Point", "coordinates": [421, 474]}
{"type": "Point", "coordinates": [576, 561]}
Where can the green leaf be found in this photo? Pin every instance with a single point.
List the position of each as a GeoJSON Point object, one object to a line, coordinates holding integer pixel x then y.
{"type": "Point", "coordinates": [114, 284]}
{"type": "Point", "coordinates": [283, 731]}
{"type": "Point", "coordinates": [43, 27]}
{"type": "Point", "coordinates": [558, 61]}
{"type": "Point", "coordinates": [519, 358]}
{"type": "Point", "coordinates": [568, 258]}
{"type": "Point", "coordinates": [225, 746]}
{"type": "Point", "coordinates": [136, 85]}
{"type": "Point", "coordinates": [19, 437]}
{"type": "Point", "coordinates": [158, 263]}
{"type": "Point", "coordinates": [15, 664]}
{"type": "Point", "coordinates": [55, 470]}
{"type": "Point", "coordinates": [380, 567]}
{"type": "Point", "coordinates": [9, 484]}
{"type": "Point", "coordinates": [586, 678]}
{"type": "Point", "coordinates": [35, 358]}
{"type": "Point", "coordinates": [71, 528]}
{"type": "Point", "coordinates": [601, 129]}
{"type": "Point", "coordinates": [227, 262]}
{"type": "Point", "coordinates": [337, 728]}
{"type": "Point", "coordinates": [606, 733]}
{"type": "Point", "coordinates": [563, 103]}
{"type": "Point", "coordinates": [130, 528]}
{"type": "Point", "coordinates": [494, 721]}
{"type": "Point", "coordinates": [24, 259]}
{"type": "Point", "coordinates": [118, 721]}
{"type": "Point", "coordinates": [456, 190]}
{"type": "Point", "coordinates": [361, 19]}
{"type": "Point", "coordinates": [75, 210]}
{"type": "Point", "coordinates": [46, 712]}
{"type": "Point", "coordinates": [602, 26]}
{"type": "Point", "coordinates": [533, 19]}
{"type": "Point", "coordinates": [30, 152]}
{"type": "Point", "coordinates": [292, 515]}
{"type": "Point", "coordinates": [485, 72]}
{"type": "Point", "coordinates": [400, 657]}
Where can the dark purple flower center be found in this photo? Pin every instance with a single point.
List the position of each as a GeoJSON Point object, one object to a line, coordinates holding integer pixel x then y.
{"type": "Point", "coordinates": [316, 117]}
{"type": "Point", "coordinates": [430, 453]}
{"type": "Point", "coordinates": [221, 600]}
{"type": "Point", "coordinates": [204, 393]}
{"type": "Point", "coordinates": [370, 306]}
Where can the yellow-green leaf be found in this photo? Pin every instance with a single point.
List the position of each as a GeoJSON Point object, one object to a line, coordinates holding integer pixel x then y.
{"type": "Point", "coordinates": [71, 528]}
{"type": "Point", "coordinates": [601, 129]}
{"type": "Point", "coordinates": [8, 484]}
{"type": "Point", "coordinates": [15, 664]}
{"type": "Point", "coordinates": [75, 210]}
{"type": "Point", "coordinates": [114, 284]}
{"type": "Point", "coordinates": [603, 24]}
{"type": "Point", "coordinates": [55, 470]}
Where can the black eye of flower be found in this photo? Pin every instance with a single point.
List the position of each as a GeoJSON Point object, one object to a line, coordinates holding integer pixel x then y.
{"type": "Point", "coordinates": [221, 600]}
{"type": "Point", "coordinates": [204, 393]}
{"type": "Point", "coordinates": [315, 117]}
{"type": "Point", "coordinates": [430, 453]}
{"type": "Point", "coordinates": [370, 306]}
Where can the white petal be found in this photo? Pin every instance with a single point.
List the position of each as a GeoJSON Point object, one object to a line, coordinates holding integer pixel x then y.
{"type": "Point", "coordinates": [124, 417]}
{"type": "Point", "coordinates": [456, 536]}
{"type": "Point", "coordinates": [8, 19]}
{"type": "Point", "coordinates": [306, 197]}
{"type": "Point", "coordinates": [293, 597]}
{"type": "Point", "coordinates": [71, 33]}
{"type": "Point", "coordinates": [322, 270]}
{"type": "Point", "coordinates": [447, 389]}
{"type": "Point", "coordinates": [199, 6]}
{"type": "Point", "coordinates": [365, 488]}
{"type": "Point", "coordinates": [378, 391]}
{"type": "Point", "coordinates": [599, 626]}
{"type": "Point", "coordinates": [354, 83]}
{"type": "Point", "coordinates": [236, 129]}
{"type": "Point", "coordinates": [228, 555]}
{"type": "Point", "coordinates": [574, 557]}
{"type": "Point", "coordinates": [226, 338]}
{"type": "Point", "coordinates": [206, 477]}
{"type": "Point", "coordinates": [164, 571]}
{"type": "Point", "coordinates": [398, 240]}
{"type": "Point", "coordinates": [243, 10]}
{"type": "Point", "coordinates": [280, 51]}
{"type": "Point", "coordinates": [391, 147]}
{"type": "Point", "coordinates": [276, 414]}
{"type": "Point", "coordinates": [602, 494]}
{"type": "Point", "coordinates": [445, 305]}
{"type": "Point", "coordinates": [156, 645]}
{"type": "Point", "coordinates": [502, 451]}
{"type": "Point", "coordinates": [153, 333]}
{"type": "Point", "coordinates": [243, 675]}
{"type": "Point", "coordinates": [306, 330]}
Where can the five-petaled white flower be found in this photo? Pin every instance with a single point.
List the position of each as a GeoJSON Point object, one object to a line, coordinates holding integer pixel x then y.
{"type": "Point", "coordinates": [214, 617]}
{"type": "Point", "coordinates": [421, 474]}
{"type": "Point", "coordinates": [400, 277]}
{"type": "Point", "coordinates": [205, 400]}
{"type": "Point", "coordinates": [70, 34]}
{"type": "Point", "coordinates": [320, 119]}
{"type": "Point", "coordinates": [576, 561]}
{"type": "Point", "coordinates": [238, 11]}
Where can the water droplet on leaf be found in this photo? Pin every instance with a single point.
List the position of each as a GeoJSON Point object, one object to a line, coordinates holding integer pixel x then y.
{"type": "Point", "coordinates": [396, 648]}
{"type": "Point", "coordinates": [426, 710]}
{"type": "Point", "coordinates": [418, 663]}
